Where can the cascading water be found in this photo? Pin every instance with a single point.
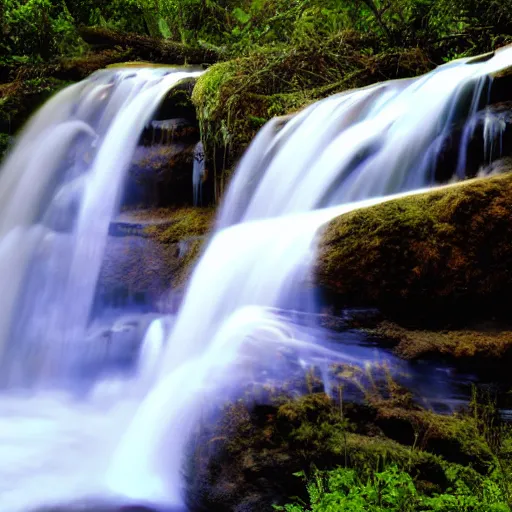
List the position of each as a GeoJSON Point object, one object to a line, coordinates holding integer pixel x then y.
{"type": "Point", "coordinates": [71, 163]}
{"type": "Point", "coordinates": [58, 193]}
{"type": "Point", "coordinates": [59, 190]}
{"type": "Point", "coordinates": [362, 144]}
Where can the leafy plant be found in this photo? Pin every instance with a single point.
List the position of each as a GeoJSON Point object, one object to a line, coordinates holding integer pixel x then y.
{"type": "Point", "coordinates": [35, 30]}
{"type": "Point", "coordinates": [393, 490]}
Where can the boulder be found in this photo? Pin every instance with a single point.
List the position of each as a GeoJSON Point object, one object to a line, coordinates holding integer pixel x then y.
{"type": "Point", "coordinates": [435, 257]}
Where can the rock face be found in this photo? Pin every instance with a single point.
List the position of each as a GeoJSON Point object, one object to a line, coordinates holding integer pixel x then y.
{"type": "Point", "coordinates": [151, 251]}
{"type": "Point", "coordinates": [443, 254]}
{"type": "Point", "coordinates": [477, 145]}
{"type": "Point", "coordinates": [161, 173]}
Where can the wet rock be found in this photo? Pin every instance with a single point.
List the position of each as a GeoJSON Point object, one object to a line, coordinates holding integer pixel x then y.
{"type": "Point", "coordinates": [167, 131]}
{"type": "Point", "coordinates": [151, 251]}
{"type": "Point", "coordinates": [136, 268]}
{"type": "Point", "coordinates": [482, 350]}
{"type": "Point", "coordinates": [178, 102]}
{"type": "Point", "coordinates": [485, 342]}
{"type": "Point", "coordinates": [160, 175]}
{"type": "Point", "coordinates": [470, 148]}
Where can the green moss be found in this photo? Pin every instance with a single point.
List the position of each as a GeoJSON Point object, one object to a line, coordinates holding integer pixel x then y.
{"type": "Point", "coordinates": [234, 98]}
{"type": "Point", "coordinates": [487, 342]}
{"type": "Point", "coordinates": [19, 99]}
{"type": "Point", "coordinates": [456, 437]}
{"type": "Point", "coordinates": [157, 249]}
{"type": "Point", "coordinates": [258, 449]}
{"type": "Point", "coordinates": [249, 457]}
{"type": "Point", "coordinates": [172, 226]}
{"type": "Point", "coordinates": [443, 252]}
{"type": "Point", "coordinates": [189, 225]}
{"type": "Point", "coordinates": [210, 101]}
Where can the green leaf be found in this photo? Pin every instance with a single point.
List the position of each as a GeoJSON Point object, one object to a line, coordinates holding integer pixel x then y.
{"type": "Point", "coordinates": [241, 15]}
{"type": "Point", "coordinates": [164, 29]}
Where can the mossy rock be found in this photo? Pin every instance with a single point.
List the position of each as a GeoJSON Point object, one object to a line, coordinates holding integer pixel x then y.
{"type": "Point", "coordinates": [151, 251]}
{"type": "Point", "coordinates": [456, 437]}
{"type": "Point", "coordinates": [438, 256]}
{"type": "Point", "coordinates": [20, 98]}
{"type": "Point", "coordinates": [235, 98]}
{"type": "Point", "coordinates": [485, 346]}
{"type": "Point", "coordinates": [254, 452]}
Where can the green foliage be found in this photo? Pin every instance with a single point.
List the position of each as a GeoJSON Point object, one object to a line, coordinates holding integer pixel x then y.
{"type": "Point", "coordinates": [5, 143]}
{"type": "Point", "coordinates": [453, 29]}
{"type": "Point", "coordinates": [362, 489]}
{"type": "Point", "coordinates": [39, 29]}
{"type": "Point", "coordinates": [33, 30]}
{"type": "Point", "coordinates": [126, 15]}
{"type": "Point", "coordinates": [394, 490]}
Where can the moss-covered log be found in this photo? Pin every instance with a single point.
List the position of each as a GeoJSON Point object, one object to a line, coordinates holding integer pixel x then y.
{"type": "Point", "coordinates": [444, 254]}
{"type": "Point", "coordinates": [148, 48]}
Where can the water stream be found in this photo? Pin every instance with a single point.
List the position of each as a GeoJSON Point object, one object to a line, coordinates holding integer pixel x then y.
{"type": "Point", "coordinates": [60, 190]}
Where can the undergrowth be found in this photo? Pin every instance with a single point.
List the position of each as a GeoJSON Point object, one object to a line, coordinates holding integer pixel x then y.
{"type": "Point", "coordinates": [347, 490]}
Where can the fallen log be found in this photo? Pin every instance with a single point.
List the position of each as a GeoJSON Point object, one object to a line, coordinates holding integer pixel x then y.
{"type": "Point", "coordinates": [147, 48]}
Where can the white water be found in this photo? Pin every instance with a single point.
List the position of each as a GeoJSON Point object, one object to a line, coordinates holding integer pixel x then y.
{"type": "Point", "coordinates": [363, 144]}
{"type": "Point", "coordinates": [360, 145]}
{"type": "Point", "coordinates": [59, 189]}
{"type": "Point", "coordinates": [64, 179]}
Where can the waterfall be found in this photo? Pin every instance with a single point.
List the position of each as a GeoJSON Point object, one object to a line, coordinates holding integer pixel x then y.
{"type": "Point", "coordinates": [59, 190]}
{"type": "Point", "coordinates": [355, 149]}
